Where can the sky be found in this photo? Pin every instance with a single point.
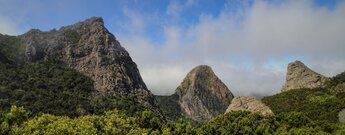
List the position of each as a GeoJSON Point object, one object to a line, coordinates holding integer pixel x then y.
{"type": "Point", "coordinates": [248, 43]}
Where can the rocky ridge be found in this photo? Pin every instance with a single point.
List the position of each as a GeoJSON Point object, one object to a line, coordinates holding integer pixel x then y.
{"type": "Point", "coordinates": [91, 49]}
{"type": "Point", "coordinates": [248, 103]}
{"type": "Point", "coordinates": [202, 95]}
{"type": "Point", "coordinates": [300, 76]}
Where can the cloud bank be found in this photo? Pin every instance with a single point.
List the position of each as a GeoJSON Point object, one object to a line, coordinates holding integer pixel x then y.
{"type": "Point", "coordinates": [248, 49]}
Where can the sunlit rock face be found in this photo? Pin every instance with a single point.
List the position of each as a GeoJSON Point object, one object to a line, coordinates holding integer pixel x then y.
{"type": "Point", "coordinates": [300, 76]}
{"type": "Point", "coordinates": [247, 103]}
{"type": "Point", "coordinates": [91, 49]}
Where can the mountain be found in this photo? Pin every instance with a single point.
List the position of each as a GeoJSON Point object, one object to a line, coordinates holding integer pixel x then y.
{"type": "Point", "coordinates": [248, 103]}
{"type": "Point", "coordinates": [86, 47]}
{"type": "Point", "coordinates": [202, 95]}
{"type": "Point", "coordinates": [300, 76]}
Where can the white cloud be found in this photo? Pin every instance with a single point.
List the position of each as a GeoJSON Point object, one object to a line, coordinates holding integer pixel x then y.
{"type": "Point", "coordinates": [175, 8]}
{"type": "Point", "coordinates": [242, 55]}
{"type": "Point", "coordinates": [136, 23]}
{"type": "Point", "coordinates": [8, 26]}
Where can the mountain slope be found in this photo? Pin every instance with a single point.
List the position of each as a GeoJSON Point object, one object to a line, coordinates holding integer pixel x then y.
{"type": "Point", "coordinates": [170, 106]}
{"type": "Point", "coordinates": [86, 47]}
{"type": "Point", "coordinates": [320, 104]}
{"type": "Point", "coordinates": [200, 97]}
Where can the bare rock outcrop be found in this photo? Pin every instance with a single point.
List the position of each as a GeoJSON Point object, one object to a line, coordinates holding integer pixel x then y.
{"type": "Point", "coordinates": [248, 103]}
{"type": "Point", "coordinates": [340, 88]}
{"type": "Point", "coordinates": [202, 95]}
{"type": "Point", "coordinates": [91, 49]}
{"type": "Point", "coordinates": [300, 76]}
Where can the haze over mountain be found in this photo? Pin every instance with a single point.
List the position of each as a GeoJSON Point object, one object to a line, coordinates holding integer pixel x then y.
{"type": "Point", "coordinates": [248, 43]}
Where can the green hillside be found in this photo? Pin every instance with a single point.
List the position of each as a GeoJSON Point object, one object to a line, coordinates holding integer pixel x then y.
{"type": "Point", "coordinates": [51, 87]}
{"type": "Point", "coordinates": [11, 49]}
{"type": "Point", "coordinates": [170, 106]}
{"type": "Point", "coordinates": [320, 104]}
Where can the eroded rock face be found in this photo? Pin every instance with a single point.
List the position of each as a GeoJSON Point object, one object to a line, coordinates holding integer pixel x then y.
{"type": "Point", "coordinates": [91, 49]}
{"type": "Point", "coordinates": [247, 103]}
{"type": "Point", "coordinates": [300, 76]}
{"type": "Point", "coordinates": [202, 95]}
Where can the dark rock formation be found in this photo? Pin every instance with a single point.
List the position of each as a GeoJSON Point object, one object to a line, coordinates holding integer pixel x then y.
{"type": "Point", "coordinates": [249, 104]}
{"type": "Point", "coordinates": [202, 95]}
{"type": "Point", "coordinates": [91, 49]}
{"type": "Point", "coordinates": [300, 76]}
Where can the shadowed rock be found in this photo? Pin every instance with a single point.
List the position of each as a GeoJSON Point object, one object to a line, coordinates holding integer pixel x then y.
{"type": "Point", "coordinates": [202, 95]}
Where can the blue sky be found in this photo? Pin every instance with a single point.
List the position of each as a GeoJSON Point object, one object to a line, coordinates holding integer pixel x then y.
{"type": "Point", "coordinates": [248, 43]}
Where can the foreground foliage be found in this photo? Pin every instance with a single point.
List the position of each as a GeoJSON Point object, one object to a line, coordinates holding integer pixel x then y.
{"type": "Point", "coordinates": [18, 121]}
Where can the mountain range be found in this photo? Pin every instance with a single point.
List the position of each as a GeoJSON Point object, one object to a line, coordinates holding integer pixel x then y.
{"type": "Point", "coordinates": [82, 69]}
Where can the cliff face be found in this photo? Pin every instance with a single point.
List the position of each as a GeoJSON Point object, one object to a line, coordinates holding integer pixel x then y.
{"type": "Point", "coordinates": [202, 95]}
{"type": "Point", "coordinates": [300, 76]}
{"type": "Point", "coordinates": [91, 49]}
{"type": "Point", "coordinates": [249, 104]}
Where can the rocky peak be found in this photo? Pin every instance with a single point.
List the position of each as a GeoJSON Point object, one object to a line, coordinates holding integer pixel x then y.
{"type": "Point", "coordinates": [300, 76]}
{"type": "Point", "coordinates": [91, 49]}
{"type": "Point", "coordinates": [202, 95]}
{"type": "Point", "coordinates": [248, 103]}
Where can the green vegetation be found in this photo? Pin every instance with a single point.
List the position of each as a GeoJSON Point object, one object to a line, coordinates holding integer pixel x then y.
{"type": "Point", "coordinates": [170, 106]}
{"type": "Point", "coordinates": [334, 81]}
{"type": "Point", "coordinates": [16, 116]}
{"type": "Point", "coordinates": [17, 121]}
{"type": "Point", "coordinates": [72, 35]}
{"type": "Point", "coordinates": [320, 104]}
{"type": "Point", "coordinates": [11, 49]}
{"type": "Point", "coordinates": [244, 123]}
{"type": "Point", "coordinates": [46, 87]}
